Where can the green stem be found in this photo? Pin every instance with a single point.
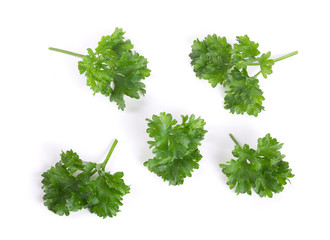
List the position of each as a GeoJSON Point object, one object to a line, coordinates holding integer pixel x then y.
{"type": "Point", "coordinates": [257, 74]}
{"type": "Point", "coordinates": [66, 52]}
{"type": "Point", "coordinates": [234, 139]}
{"type": "Point", "coordinates": [92, 173]}
{"type": "Point", "coordinates": [285, 56]}
{"type": "Point", "coordinates": [277, 59]}
{"type": "Point", "coordinates": [109, 154]}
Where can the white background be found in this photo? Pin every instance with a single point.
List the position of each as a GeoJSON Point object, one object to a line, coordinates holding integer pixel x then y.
{"type": "Point", "coordinates": [46, 107]}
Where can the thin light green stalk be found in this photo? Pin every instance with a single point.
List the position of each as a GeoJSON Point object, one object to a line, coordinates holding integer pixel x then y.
{"type": "Point", "coordinates": [66, 52]}
{"type": "Point", "coordinates": [234, 139]}
{"type": "Point", "coordinates": [92, 173]}
{"type": "Point", "coordinates": [106, 159]}
{"type": "Point", "coordinates": [277, 59]}
{"type": "Point", "coordinates": [257, 74]}
{"type": "Point", "coordinates": [109, 154]}
{"type": "Point", "coordinates": [285, 56]}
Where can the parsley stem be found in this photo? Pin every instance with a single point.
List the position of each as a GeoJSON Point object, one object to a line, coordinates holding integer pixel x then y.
{"type": "Point", "coordinates": [92, 173]}
{"type": "Point", "coordinates": [277, 59]}
{"type": "Point", "coordinates": [66, 52]}
{"type": "Point", "coordinates": [257, 74]}
{"type": "Point", "coordinates": [234, 139]}
{"type": "Point", "coordinates": [109, 154]}
{"type": "Point", "coordinates": [285, 56]}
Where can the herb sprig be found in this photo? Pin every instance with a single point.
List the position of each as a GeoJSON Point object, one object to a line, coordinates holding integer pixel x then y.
{"type": "Point", "coordinates": [113, 69]}
{"type": "Point", "coordinates": [262, 170]}
{"type": "Point", "coordinates": [215, 60]}
{"type": "Point", "coordinates": [175, 146]}
{"type": "Point", "coordinates": [73, 184]}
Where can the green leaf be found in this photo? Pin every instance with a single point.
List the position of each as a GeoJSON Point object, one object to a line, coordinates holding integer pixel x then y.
{"type": "Point", "coordinates": [239, 174]}
{"type": "Point", "coordinates": [71, 161]}
{"type": "Point", "coordinates": [175, 146]}
{"type": "Point", "coordinates": [130, 69]}
{"type": "Point", "coordinates": [61, 190]}
{"type": "Point", "coordinates": [263, 169]}
{"type": "Point", "coordinates": [244, 94]}
{"type": "Point", "coordinates": [273, 172]}
{"type": "Point", "coordinates": [114, 45]}
{"type": "Point", "coordinates": [245, 47]}
{"type": "Point", "coordinates": [266, 64]}
{"type": "Point", "coordinates": [211, 59]}
{"type": "Point", "coordinates": [107, 193]}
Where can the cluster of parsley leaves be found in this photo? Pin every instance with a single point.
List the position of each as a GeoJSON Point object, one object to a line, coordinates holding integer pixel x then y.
{"type": "Point", "coordinates": [175, 146]}
{"type": "Point", "coordinates": [263, 169]}
{"type": "Point", "coordinates": [113, 69]}
{"type": "Point", "coordinates": [217, 61]}
{"type": "Point", "coordinates": [73, 184]}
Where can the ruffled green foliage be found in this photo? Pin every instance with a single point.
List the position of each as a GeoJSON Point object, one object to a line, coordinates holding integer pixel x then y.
{"type": "Point", "coordinates": [114, 70]}
{"type": "Point", "coordinates": [262, 170]}
{"type": "Point", "coordinates": [73, 184]}
{"type": "Point", "coordinates": [211, 59]}
{"type": "Point", "coordinates": [175, 146]}
{"type": "Point", "coordinates": [215, 60]}
{"type": "Point", "coordinates": [244, 94]}
{"type": "Point", "coordinates": [106, 194]}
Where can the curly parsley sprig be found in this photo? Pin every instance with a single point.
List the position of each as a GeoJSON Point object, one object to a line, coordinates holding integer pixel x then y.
{"type": "Point", "coordinates": [262, 170]}
{"type": "Point", "coordinates": [215, 60]}
{"type": "Point", "coordinates": [113, 69]}
{"type": "Point", "coordinates": [175, 146]}
{"type": "Point", "coordinates": [73, 184]}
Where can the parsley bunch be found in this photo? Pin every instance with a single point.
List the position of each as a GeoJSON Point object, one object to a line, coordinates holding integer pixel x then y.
{"type": "Point", "coordinates": [263, 169]}
{"type": "Point", "coordinates": [72, 184]}
{"type": "Point", "coordinates": [175, 146]}
{"type": "Point", "coordinates": [215, 60]}
{"type": "Point", "coordinates": [113, 70]}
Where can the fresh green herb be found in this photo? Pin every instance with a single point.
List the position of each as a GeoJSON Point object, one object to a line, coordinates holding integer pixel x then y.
{"type": "Point", "coordinates": [175, 146]}
{"type": "Point", "coordinates": [73, 184]}
{"type": "Point", "coordinates": [113, 70]}
{"type": "Point", "coordinates": [263, 169]}
{"type": "Point", "coordinates": [215, 60]}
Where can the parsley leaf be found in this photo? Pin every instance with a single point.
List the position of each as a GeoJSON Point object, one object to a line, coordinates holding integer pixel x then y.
{"type": "Point", "coordinates": [215, 60]}
{"type": "Point", "coordinates": [72, 185]}
{"type": "Point", "coordinates": [211, 59]}
{"type": "Point", "coordinates": [106, 194]}
{"type": "Point", "coordinates": [263, 169]}
{"type": "Point", "coordinates": [113, 69]}
{"type": "Point", "coordinates": [175, 146]}
{"type": "Point", "coordinates": [244, 87]}
{"type": "Point", "coordinates": [266, 64]}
